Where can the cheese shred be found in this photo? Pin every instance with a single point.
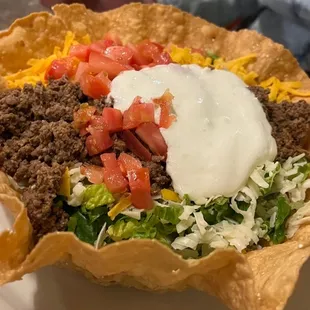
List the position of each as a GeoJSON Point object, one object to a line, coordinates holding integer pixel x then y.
{"type": "Point", "coordinates": [37, 67]}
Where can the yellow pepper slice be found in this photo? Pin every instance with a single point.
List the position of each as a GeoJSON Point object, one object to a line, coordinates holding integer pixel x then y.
{"type": "Point", "coordinates": [168, 194]}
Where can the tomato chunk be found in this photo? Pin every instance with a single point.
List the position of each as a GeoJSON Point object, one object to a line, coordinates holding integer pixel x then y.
{"type": "Point", "coordinates": [99, 62]}
{"type": "Point", "coordinates": [150, 134]}
{"type": "Point", "coordinates": [150, 50]}
{"type": "Point", "coordinates": [80, 51]}
{"type": "Point", "coordinates": [120, 54]}
{"type": "Point", "coordinates": [114, 180]}
{"type": "Point", "coordinates": [83, 68]}
{"type": "Point", "coordinates": [128, 163]}
{"type": "Point", "coordinates": [95, 86]}
{"type": "Point", "coordinates": [137, 57]}
{"type": "Point", "coordinates": [140, 188]}
{"type": "Point", "coordinates": [113, 177]}
{"type": "Point", "coordinates": [94, 174]}
{"type": "Point", "coordinates": [135, 145]}
{"type": "Point", "coordinates": [162, 59]}
{"type": "Point", "coordinates": [83, 116]}
{"type": "Point", "coordinates": [113, 119]}
{"type": "Point", "coordinates": [138, 114]}
{"type": "Point", "coordinates": [98, 141]}
{"type": "Point", "coordinates": [101, 45]}
{"type": "Point", "coordinates": [60, 67]}
{"type": "Point", "coordinates": [165, 102]}
{"type": "Point", "coordinates": [96, 123]}
{"type": "Point", "coordinates": [109, 160]}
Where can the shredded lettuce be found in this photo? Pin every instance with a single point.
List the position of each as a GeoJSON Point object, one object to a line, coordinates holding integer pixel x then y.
{"type": "Point", "coordinates": [269, 208]}
{"type": "Point", "coordinates": [96, 195]}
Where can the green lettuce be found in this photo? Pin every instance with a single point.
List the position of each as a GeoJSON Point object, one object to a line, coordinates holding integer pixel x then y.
{"type": "Point", "coordinates": [219, 209]}
{"type": "Point", "coordinates": [86, 224]}
{"type": "Point", "coordinates": [158, 223]}
{"type": "Point", "coordinates": [283, 212]}
{"type": "Point", "coordinates": [96, 195]}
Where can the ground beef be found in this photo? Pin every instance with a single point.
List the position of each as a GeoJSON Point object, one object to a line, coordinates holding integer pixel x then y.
{"type": "Point", "coordinates": [158, 176]}
{"type": "Point", "coordinates": [290, 124]}
{"type": "Point", "coordinates": [37, 143]}
{"type": "Point", "coordinates": [43, 184]}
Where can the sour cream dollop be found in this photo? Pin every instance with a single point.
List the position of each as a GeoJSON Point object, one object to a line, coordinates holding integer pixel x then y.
{"type": "Point", "coordinates": [221, 133]}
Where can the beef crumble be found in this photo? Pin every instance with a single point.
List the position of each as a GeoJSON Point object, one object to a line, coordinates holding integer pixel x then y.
{"type": "Point", "coordinates": [290, 124]}
{"type": "Point", "coordinates": [37, 143]}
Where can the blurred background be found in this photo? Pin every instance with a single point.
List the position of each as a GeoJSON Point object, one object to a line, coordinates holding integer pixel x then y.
{"type": "Point", "coordinates": [285, 21]}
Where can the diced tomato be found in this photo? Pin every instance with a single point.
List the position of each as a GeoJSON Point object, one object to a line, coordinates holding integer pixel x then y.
{"type": "Point", "coordinates": [113, 119]}
{"type": "Point", "coordinates": [113, 177]}
{"type": "Point", "coordinates": [83, 68]}
{"type": "Point", "coordinates": [99, 62]}
{"type": "Point", "coordinates": [94, 174]}
{"type": "Point", "coordinates": [162, 59]}
{"type": "Point", "coordinates": [127, 163]}
{"type": "Point", "coordinates": [120, 54]}
{"type": "Point", "coordinates": [150, 50]}
{"type": "Point", "coordinates": [138, 114]}
{"type": "Point", "coordinates": [109, 160]}
{"type": "Point", "coordinates": [83, 132]}
{"type": "Point", "coordinates": [95, 86]}
{"type": "Point", "coordinates": [114, 180]}
{"type": "Point", "coordinates": [150, 134]}
{"type": "Point", "coordinates": [60, 67]}
{"type": "Point", "coordinates": [96, 123]}
{"type": "Point", "coordinates": [137, 58]}
{"type": "Point", "coordinates": [140, 188]}
{"type": "Point", "coordinates": [98, 141]}
{"type": "Point", "coordinates": [166, 119]}
{"type": "Point", "coordinates": [165, 101]}
{"type": "Point", "coordinates": [80, 51]}
{"type": "Point", "coordinates": [135, 145]}
{"type": "Point", "coordinates": [101, 45]}
{"type": "Point", "coordinates": [82, 117]}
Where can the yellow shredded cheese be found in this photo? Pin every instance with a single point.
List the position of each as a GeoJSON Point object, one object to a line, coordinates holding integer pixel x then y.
{"type": "Point", "coordinates": [280, 91]}
{"type": "Point", "coordinates": [237, 66]}
{"type": "Point", "coordinates": [184, 56]}
{"type": "Point", "coordinates": [37, 67]}
{"type": "Point", "coordinates": [123, 204]}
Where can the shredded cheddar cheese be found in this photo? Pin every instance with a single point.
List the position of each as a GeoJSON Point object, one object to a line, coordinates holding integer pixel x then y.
{"type": "Point", "coordinates": [237, 66]}
{"type": "Point", "coordinates": [281, 91]}
{"type": "Point", "coordinates": [123, 204]}
{"type": "Point", "coordinates": [185, 56]}
{"type": "Point", "coordinates": [37, 67]}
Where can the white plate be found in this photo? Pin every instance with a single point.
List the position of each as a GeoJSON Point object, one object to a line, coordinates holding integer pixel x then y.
{"type": "Point", "coordinates": [57, 289]}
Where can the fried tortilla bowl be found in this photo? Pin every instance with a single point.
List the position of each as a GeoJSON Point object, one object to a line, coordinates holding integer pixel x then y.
{"type": "Point", "coordinates": [261, 279]}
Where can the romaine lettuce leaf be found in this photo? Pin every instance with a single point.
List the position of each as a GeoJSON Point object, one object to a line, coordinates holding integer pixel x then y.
{"type": "Point", "coordinates": [86, 224]}
{"type": "Point", "coordinates": [158, 223]}
{"type": "Point", "coordinates": [96, 195]}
